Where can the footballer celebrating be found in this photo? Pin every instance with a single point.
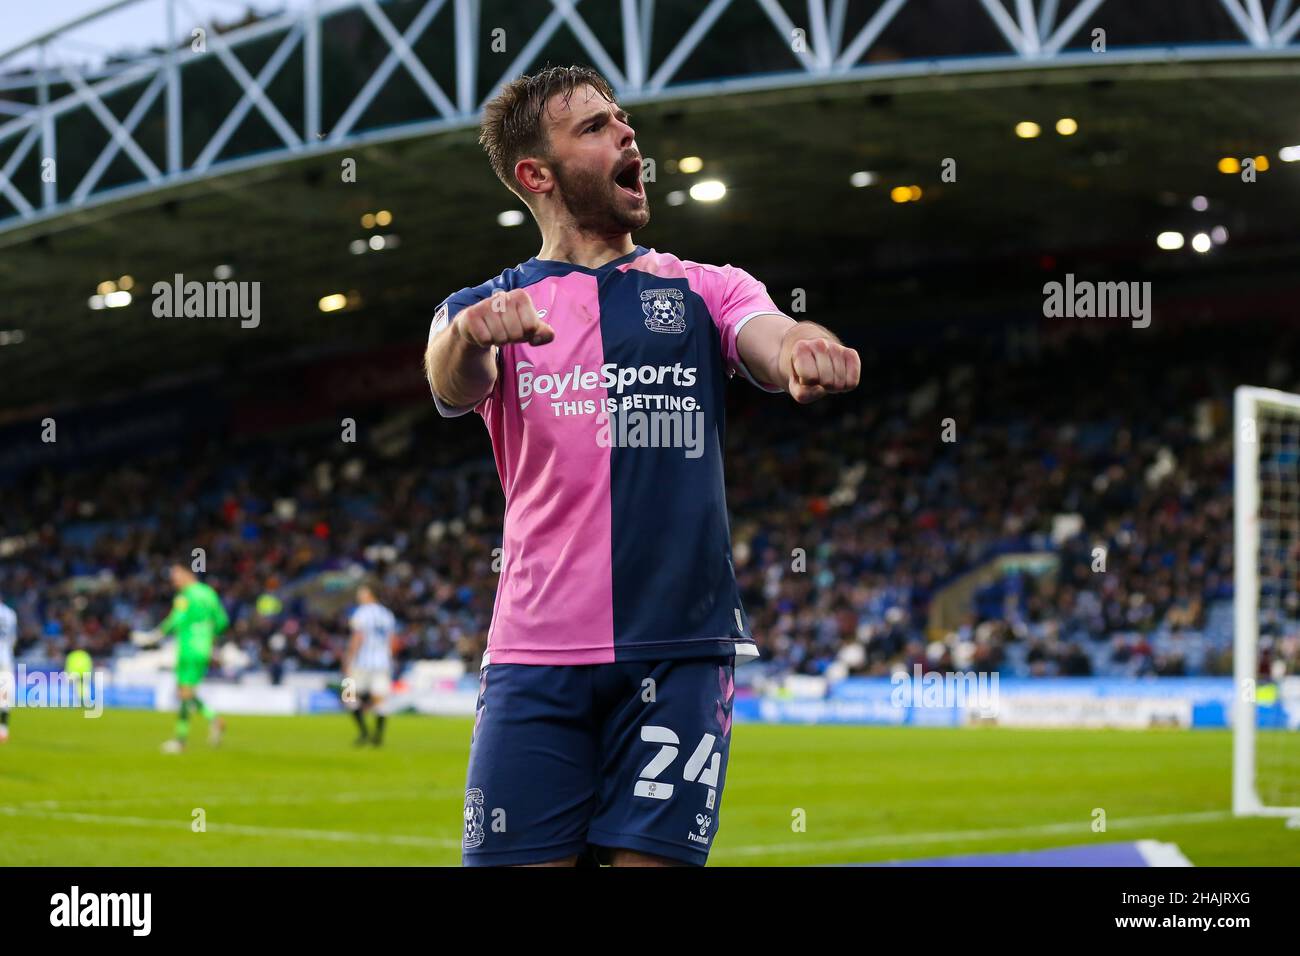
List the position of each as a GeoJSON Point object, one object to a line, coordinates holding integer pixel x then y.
{"type": "Point", "coordinates": [603, 724]}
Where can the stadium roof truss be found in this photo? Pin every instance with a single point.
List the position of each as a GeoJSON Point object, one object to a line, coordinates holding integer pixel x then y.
{"type": "Point", "coordinates": [823, 49]}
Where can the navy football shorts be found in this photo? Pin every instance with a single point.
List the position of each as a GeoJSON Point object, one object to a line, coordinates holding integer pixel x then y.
{"type": "Point", "coordinates": [580, 759]}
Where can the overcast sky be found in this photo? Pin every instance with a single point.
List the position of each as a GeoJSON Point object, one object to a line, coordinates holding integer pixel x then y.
{"type": "Point", "coordinates": [137, 26]}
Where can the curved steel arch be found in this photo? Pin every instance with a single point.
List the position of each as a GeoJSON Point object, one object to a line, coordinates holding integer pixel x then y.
{"type": "Point", "coordinates": [1033, 35]}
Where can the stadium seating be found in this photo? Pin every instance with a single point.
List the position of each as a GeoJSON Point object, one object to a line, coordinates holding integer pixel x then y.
{"type": "Point", "coordinates": [886, 514]}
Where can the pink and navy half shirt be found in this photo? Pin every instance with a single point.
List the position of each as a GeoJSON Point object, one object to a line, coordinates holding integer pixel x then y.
{"type": "Point", "coordinates": [608, 442]}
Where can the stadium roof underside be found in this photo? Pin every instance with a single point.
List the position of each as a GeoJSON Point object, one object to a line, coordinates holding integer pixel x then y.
{"type": "Point", "coordinates": [227, 148]}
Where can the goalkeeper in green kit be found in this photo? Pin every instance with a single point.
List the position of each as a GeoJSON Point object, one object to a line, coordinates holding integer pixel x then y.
{"type": "Point", "coordinates": [196, 619]}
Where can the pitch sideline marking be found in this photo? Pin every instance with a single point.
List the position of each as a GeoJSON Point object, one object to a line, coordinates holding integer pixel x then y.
{"type": "Point", "coordinates": [892, 839]}
{"type": "Point", "coordinates": [1081, 828]}
{"type": "Point", "coordinates": [273, 800]}
{"type": "Point", "coordinates": [238, 829]}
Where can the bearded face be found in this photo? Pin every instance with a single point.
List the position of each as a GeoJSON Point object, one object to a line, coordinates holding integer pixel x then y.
{"type": "Point", "coordinates": [597, 201]}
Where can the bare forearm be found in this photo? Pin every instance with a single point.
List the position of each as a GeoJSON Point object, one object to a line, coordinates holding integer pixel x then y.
{"type": "Point", "coordinates": [806, 360]}
{"type": "Point", "coordinates": [460, 372]}
{"type": "Point", "coordinates": [460, 360]}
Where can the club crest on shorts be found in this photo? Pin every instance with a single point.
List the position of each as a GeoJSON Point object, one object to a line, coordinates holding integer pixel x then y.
{"type": "Point", "coordinates": [665, 310]}
{"type": "Point", "coordinates": [473, 818]}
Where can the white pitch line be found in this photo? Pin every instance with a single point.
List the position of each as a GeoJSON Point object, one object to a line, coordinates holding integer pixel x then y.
{"type": "Point", "coordinates": [247, 800]}
{"type": "Point", "coordinates": [332, 836]}
{"type": "Point", "coordinates": [1082, 829]}
{"type": "Point", "coordinates": [1079, 828]}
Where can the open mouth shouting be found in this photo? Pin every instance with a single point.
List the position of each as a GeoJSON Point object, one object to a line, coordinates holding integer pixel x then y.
{"type": "Point", "coordinates": [628, 179]}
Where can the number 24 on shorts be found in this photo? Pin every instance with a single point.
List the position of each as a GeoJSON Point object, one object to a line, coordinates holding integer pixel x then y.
{"type": "Point", "coordinates": [694, 771]}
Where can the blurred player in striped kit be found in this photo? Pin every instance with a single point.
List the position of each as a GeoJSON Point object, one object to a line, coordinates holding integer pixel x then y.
{"type": "Point", "coordinates": [369, 663]}
{"type": "Point", "coordinates": [8, 638]}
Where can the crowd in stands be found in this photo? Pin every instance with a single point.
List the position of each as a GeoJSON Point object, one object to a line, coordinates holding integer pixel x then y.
{"type": "Point", "coordinates": [1107, 449]}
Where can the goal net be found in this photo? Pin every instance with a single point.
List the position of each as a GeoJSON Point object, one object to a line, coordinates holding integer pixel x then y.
{"type": "Point", "coordinates": [1266, 649]}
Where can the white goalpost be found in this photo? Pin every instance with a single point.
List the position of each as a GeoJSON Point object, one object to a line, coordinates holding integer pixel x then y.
{"type": "Point", "coordinates": [1266, 526]}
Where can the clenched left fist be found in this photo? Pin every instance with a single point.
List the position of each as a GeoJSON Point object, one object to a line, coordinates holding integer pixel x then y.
{"type": "Point", "coordinates": [819, 366]}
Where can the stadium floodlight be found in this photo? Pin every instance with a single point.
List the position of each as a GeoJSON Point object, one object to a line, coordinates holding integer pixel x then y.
{"type": "Point", "coordinates": [708, 190]}
{"type": "Point", "coordinates": [1266, 502]}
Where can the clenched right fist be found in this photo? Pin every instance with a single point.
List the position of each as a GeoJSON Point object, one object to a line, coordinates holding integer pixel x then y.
{"type": "Point", "coordinates": [501, 319]}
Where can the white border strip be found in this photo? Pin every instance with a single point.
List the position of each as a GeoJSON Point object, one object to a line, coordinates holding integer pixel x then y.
{"type": "Point", "coordinates": [1162, 854]}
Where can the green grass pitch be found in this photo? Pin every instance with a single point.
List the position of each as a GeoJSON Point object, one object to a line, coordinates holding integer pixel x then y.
{"type": "Point", "coordinates": [293, 791]}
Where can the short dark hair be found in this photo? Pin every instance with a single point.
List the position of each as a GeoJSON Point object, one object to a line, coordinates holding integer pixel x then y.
{"type": "Point", "coordinates": [512, 125]}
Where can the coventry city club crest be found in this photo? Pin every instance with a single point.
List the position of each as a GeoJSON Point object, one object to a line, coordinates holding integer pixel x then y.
{"type": "Point", "coordinates": [665, 310]}
{"type": "Point", "coordinates": [473, 818]}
